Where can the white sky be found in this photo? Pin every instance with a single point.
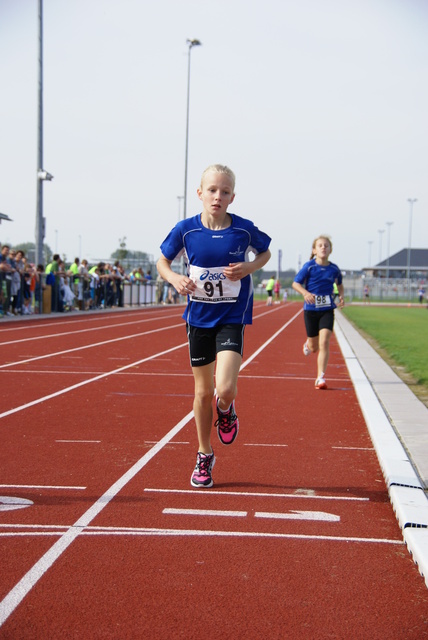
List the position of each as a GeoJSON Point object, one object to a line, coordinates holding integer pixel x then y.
{"type": "Point", "coordinates": [319, 106]}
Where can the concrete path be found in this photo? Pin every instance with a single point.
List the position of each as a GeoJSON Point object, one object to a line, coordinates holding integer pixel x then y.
{"type": "Point", "coordinates": [398, 424]}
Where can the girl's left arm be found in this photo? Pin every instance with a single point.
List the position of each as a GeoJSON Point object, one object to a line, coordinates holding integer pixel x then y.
{"type": "Point", "coordinates": [341, 290]}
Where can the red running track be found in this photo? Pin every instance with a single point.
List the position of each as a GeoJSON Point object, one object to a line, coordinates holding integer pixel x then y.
{"type": "Point", "coordinates": [102, 535]}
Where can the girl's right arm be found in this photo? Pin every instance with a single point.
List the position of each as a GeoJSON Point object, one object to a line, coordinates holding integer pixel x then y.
{"type": "Point", "coordinates": [181, 283]}
{"type": "Point", "coordinates": [309, 297]}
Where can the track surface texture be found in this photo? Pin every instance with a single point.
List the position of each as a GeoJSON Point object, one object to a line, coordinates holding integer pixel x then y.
{"type": "Point", "coordinates": [102, 535]}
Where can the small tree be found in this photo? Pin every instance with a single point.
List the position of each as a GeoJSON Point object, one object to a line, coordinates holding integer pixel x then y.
{"type": "Point", "coordinates": [121, 253]}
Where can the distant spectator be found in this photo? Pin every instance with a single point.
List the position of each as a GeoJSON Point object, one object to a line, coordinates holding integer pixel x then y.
{"type": "Point", "coordinates": [39, 288]}
{"type": "Point", "coordinates": [18, 267]}
{"type": "Point", "coordinates": [277, 290]}
{"type": "Point", "coordinates": [5, 279]}
{"type": "Point", "coordinates": [52, 279]}
{"type": "Point", "coordinates": [83, 292]}
{"type": "Point", "coordinates": [73, 272]}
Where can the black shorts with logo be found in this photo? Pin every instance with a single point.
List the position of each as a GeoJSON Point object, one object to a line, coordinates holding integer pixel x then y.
{"type": "Point", "coordinates": [205, 343]}
{"type": "Point", "coordinates": [317, 320]}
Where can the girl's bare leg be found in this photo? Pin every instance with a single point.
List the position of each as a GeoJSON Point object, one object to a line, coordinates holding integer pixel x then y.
{"type": "Point", "coordinates": [226, 377]}
{"type": "Point", "coordinates": [324, 351]}
{"type": "Point", "coordinates": [202, 404]}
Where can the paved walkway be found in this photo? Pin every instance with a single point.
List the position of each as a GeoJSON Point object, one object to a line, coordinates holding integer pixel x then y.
{"type": "Point", "coordinates": [398, 424]}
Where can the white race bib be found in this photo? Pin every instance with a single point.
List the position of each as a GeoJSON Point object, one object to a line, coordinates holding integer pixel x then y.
{"type": "Point", "coordinates": [212, 285]}
{"type": "Point", "coordinates": [322, 301]}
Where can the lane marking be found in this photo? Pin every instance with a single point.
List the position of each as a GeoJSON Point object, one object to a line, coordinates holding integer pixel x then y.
{"type": "Point", "coordinates": [261, 444]}
{"type": "Point", "coordinates": [173, 442]}
{"type": "Point", "coordinates": [355, 448]}
{"type": "Point", "coordinates": [300, 515]}
{"type": "Point", "coordinates": [89, 381]}
{"type": "Point", "coordinates": [38, 486]}
{"type": "Point", "coordinates": [211, 492]}
{"type": "Point", "coordinates": [94, 344]}
{"type": "Point", "coordinates": [204, 512]}
{"type": "Point", "coordinates": [85, 330]}
{"type": "Point", "coordinates": [17, 594]}
{"type": "Point", "coordinates": [9, 503]}
{"type": "Point", "coordinates": [147, 531]}
{"type": "Point", "coordinates": [81, 441]}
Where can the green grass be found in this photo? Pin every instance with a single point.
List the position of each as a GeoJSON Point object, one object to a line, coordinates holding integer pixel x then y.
{"type": "Point", "coordinates": [401, 332]}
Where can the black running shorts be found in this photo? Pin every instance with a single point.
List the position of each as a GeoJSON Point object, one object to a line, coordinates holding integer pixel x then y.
{"type": "Point", "coordinates": [317, 320]}
{"type": "Point", "coordinates": [205, 343]}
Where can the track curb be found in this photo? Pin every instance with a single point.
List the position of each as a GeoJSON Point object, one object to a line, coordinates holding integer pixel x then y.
{"type": "Point", "coordinates": [406, 487]}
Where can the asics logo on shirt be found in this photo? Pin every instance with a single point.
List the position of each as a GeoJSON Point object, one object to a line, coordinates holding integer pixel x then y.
{"type": "Point", "coordinates": [212, 275]}
{"type": "Point", "coordinates": [238, 252]}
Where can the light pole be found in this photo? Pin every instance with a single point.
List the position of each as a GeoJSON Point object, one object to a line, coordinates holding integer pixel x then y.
{"type": "Point", "coordinates": [387, 259]}
{"type": "Point", "coordinates": [190, 44]}
{"type": "Point", "coordinates": [411, 201]}
{"type": "Point", "coordinates": [380, 231]}
{"type": "Point", "coordinates": [42, 175]}
{"type": "Point", "coordinates": [179, 198]}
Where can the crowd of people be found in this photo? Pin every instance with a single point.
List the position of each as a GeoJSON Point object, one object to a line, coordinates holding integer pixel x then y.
{"type": "Point", "coordinates": [27, 288]}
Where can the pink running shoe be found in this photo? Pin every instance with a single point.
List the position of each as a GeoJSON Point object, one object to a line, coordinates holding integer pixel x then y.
{"type": "Point", "coordinates": [227, 424]}
{"type": "Point", "coordinates": [320, 383]}
{"type": "Point", "coordinates": [201, 476]}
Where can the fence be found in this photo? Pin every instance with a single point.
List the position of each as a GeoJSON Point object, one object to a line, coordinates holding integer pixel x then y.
{"type": "Point", "coordinates": [82, 294]}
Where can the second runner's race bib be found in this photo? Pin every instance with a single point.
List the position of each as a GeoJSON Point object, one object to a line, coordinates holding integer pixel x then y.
{"type": "Point", "coordinates": [322, 301]}
{"type": "Point", "coordinates": [212, 285]}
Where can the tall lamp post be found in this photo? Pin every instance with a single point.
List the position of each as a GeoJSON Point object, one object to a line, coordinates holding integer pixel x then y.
{"type": "Point", "coordinates": [411, 202]}
{"type": "Point", "coordinates": [42, 175]}
{"type": "Point", "coordinates": [388, 224]}
{"type": "Point", "coordinates": [370, 242]}
{"type": "Point", "coordinates": [190, 44]}
{"type": "Point", "coordinates": [179, 198]}
{"type": "Point", "coordinates": [380, 232]}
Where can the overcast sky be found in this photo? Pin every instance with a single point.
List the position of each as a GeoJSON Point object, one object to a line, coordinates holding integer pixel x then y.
{"type": "Point", "coordinates": [319, 106]}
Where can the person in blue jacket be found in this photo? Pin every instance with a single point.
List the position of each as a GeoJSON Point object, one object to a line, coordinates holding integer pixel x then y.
{"type": "Point", "coordinates": [315, 282]}
{"type": "Point", "coordinates": [216, 246]}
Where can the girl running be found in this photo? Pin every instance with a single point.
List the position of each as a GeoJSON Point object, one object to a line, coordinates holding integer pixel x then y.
{"type": "Point", "coordinates": [315, 282]}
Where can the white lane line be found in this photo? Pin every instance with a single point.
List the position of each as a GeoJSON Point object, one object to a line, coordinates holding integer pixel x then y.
{"type": "Point", "coordinates": [145, 531]}
{"type": "Point", "coordinates": [92, 345]}
{"type": "Point", "coordinates": [355, 448]}
{"type": "Point", "coordinates": [300, 515]}
{"type": "Point", "coordinates": [80, 441]}
{"type": "Point", "coordinates": [10, 503]}
{"type": "Point", "coordinates": [85, 330]}
{"type": "Point", "coordinates": [38, 486]}
{"type": "Point", "coordinates": [171, 443]}
{"type": "Point", "coordinates": [33, 575]}
{"type": "Point", "coordinates": [271, 339]}
{"type": "Point", "coordinates": [211, 492]}
{"type": "Point", "coordinates": [85, 382]}
{"type": "Point", "coordinates": [261, 444]}
{"type": "Point", "coordinates": [204, 512]}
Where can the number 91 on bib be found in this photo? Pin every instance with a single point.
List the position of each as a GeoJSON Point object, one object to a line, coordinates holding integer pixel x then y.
{"type": "Point", "coordinates": [212, 285]}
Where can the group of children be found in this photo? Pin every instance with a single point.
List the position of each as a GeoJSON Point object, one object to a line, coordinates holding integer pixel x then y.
{"type": "Point", "coordinates": [216, 245]}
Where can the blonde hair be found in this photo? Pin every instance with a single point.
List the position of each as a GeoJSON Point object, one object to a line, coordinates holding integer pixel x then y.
{"type": "Point", "coordinates": [323, 237]}
{"type": "Point", "coordinates": [220, 168]}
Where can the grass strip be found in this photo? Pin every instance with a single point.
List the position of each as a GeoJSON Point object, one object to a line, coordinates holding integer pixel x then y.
{"type": "Point", "coordinates": [400, 335]}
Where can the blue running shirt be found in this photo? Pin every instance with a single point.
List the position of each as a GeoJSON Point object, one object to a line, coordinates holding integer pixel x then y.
{"type": "Point", "coordinates": [217, 300]}
{"type": "Point", "coordinates": [318, 280]}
